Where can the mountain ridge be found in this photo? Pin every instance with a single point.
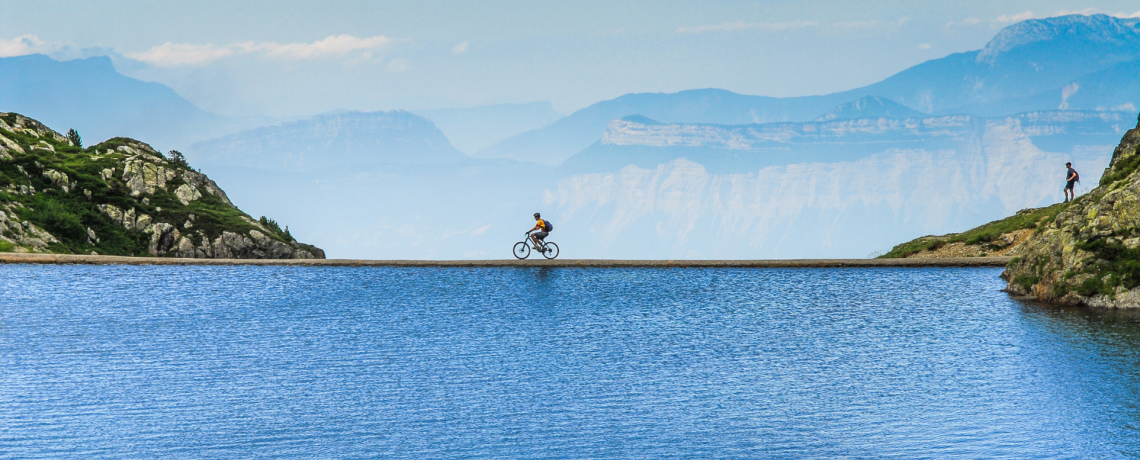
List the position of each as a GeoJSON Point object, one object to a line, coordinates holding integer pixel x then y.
{"type": "Point", "coordinates": [120, 197]}
{"type": "Point", "coordinates": [342, 138]}
{"type": "Point", "coordinates": [1016, 67]}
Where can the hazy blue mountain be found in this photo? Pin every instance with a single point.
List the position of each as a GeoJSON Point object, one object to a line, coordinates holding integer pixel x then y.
{"type": "Point", "coordinates": [714, 174]}
{"type": "Point", "coordinates": [1024, 59]}
{"type": "Point", "coordinates": [563, 138]}
{"type": "Point", "coordinates": [839, 188]}
{"type": "Point", "coordinates": [91, 97]}
{"type": "Point", "coordinates": [472, 129]}
{"type": "Point", "coordinates": [1114, 88]}
{"type": "Point", "coordinates": [330, 142]}
{"type": "Point", "coordinates": [1020, 70]}
{"type": "Point", "coordinates": [870, 107]}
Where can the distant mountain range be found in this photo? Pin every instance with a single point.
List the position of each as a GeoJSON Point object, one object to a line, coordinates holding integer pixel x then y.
{"type": "Point", "coordinates": [91, 97]}
{"type": "Point", "coordinates": [1067, 62]}
{"type": "Point", "coordinates": [946, 144]}
{"type": "Point", "coordinates": [471, 129]}
{"type": "Point", "coordinates": [870, 107]}
{"type": "Point", "coordinates": [326, 141]}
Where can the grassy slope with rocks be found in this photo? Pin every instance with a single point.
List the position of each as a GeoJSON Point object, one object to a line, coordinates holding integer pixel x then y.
{"type": "Point", "coordinates": [120, 197]}
{"type": "Point", "coordinates": [1086, 252]}
{"type": "Point", "coordinates": [1090, 254]}
{"type": "Point", "coordinates": [998, 238]}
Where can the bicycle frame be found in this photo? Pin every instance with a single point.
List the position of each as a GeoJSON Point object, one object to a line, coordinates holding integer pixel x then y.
{"type": "Point", "coordinates": [522, 249]}
{"type": "Point", "coordinates": [541, 242]}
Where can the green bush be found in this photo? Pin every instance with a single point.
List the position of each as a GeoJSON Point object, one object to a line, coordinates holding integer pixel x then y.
{"type": "Point", "coordinates": [73, 136]}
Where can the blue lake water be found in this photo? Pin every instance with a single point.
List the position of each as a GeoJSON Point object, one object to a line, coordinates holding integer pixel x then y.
{"type": "Point", "coordinates": [141, 362]}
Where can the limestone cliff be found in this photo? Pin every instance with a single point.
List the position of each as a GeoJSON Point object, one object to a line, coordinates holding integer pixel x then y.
{"type": "Point", "coordinates": [120, 197]}
{"type": "Point", "coordinates": [1090, 253]}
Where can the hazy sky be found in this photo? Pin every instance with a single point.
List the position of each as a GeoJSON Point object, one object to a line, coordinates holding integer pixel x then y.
{"type": "Point", "coordinates": [294, 58]}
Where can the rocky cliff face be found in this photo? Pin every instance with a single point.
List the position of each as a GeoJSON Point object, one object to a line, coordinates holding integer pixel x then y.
{"type": "Point", "coordinates": [1090, 254]}
{"type": "Point", "coordinates": [120, 197]}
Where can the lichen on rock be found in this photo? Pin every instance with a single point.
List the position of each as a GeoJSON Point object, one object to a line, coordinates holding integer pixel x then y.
{"type": "Point", "coordinates": [133, 202]}
{"type": "Point", "coordinates": [1090, 254]}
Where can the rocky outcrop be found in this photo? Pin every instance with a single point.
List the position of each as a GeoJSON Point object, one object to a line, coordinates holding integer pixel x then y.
{"type": "Point", "coordinates": [1090, 254]}
{"type": "Point", "coordinates": [22, 235]}
{"type": "Point", "coordinates": [133, 201]}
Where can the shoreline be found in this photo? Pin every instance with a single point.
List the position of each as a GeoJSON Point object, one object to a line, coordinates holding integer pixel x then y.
{"type": "Point", "coordinates": [70, 259]}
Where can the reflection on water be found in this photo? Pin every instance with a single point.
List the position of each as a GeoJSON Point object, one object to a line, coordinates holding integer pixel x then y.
{"type": "Point", "coordinates": [565, 363]}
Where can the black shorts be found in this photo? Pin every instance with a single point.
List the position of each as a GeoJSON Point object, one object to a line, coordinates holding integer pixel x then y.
{"type": "Point", "coordinates": [541, 235]}
{"type": "Point", "coordinates": [1069, 184]}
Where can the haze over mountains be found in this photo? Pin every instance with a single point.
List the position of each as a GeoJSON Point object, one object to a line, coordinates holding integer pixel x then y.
{"type": "Point", "coordinates": [89, 95]}
{"type": "Point", "coordinates": [946, 144]}
{"type": "Point", "coordinates": [1026, 67]}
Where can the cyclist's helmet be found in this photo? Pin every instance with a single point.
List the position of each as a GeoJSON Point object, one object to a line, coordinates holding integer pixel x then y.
{"type": "Point", "coordinates": [537, 215]}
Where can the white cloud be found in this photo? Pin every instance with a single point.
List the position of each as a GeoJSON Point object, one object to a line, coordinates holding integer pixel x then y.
{"type": "Point", "coordinates": [1086, 12]}
{"type": "Point", "coordinates": [1015, 17]}
{"type": "Point", "coordinates": [741, 25]}
{"type": "Point", "coordinates": [21, 46]}
{"type": "Point", "coordinates": [182, 54]}
{"type": "Point", "coordinates": [923, 46]}
{"type": "Point", "coordinates": [173, 55]}
{"type": "Point", "coordinates": [333, 45]}
{"type": "Point", "coordinates": [1092, 11]}
{"type": "Point", "coordinates": [398, 65]}
{"type": "Point", "coordinates": [460, 48]}
{"type": "Point", "coordinates": [1001, 21]}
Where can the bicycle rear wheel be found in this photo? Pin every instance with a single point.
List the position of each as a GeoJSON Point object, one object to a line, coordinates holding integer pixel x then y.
{"type": "Point", "coordinates": [522, 250]}
{"type": "Point", "coordinates": [551, 251]}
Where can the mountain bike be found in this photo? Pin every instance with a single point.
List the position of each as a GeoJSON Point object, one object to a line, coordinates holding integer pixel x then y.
{"type": "Point", "coordinates": [522, 248]}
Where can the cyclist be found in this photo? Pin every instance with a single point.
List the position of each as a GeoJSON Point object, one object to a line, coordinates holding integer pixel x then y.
{"type": "Point", "coordinates": [540, 225]}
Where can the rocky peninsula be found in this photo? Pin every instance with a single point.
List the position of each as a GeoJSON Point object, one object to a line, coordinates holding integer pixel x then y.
{"type": "Point", "coordinates": [1085, 252]}
{"type": "Point", "coordinates": [121, 197]}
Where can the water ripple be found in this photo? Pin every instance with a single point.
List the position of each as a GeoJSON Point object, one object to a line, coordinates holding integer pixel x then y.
{"type": "Point", "coordinates": [133, 362]}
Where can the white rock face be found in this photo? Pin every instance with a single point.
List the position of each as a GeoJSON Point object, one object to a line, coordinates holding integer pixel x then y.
{"type": "Point", "coordinates": [127, 218]}
{"type": "Point", "coordinates": [187, 193]}
{"type": "Point", "coordinates": [59, 179]}
{"type": "Point", "coordinates": [145, 175]}
{"type": "Point", "coordinates": [842, 209]}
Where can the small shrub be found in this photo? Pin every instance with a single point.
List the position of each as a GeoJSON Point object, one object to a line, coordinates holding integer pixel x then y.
{"type": "Point", "coordinates": [1122, 169]}
{"type": "Point", "coordinates": [1026, 282]}
{"type": "Point", "coordinates": [73, 136]}
{"type": "Point", "coordinates": [178, 159]}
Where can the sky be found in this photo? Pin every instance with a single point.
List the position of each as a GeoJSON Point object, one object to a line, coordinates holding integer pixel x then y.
{"type": "Point", "coordinates": [282, 58]}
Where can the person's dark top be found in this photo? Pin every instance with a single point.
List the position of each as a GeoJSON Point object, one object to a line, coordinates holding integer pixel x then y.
{"type": "Point", "coordinates": [1069, 175]}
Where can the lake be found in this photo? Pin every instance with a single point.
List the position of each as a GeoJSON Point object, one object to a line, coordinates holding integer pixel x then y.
{"type": "Point", "coordinates": [201, 362]}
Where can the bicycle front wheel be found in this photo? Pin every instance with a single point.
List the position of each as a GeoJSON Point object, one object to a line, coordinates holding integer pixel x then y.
{"type": "Point", "coordinates": [551, 251]}
{"type": "Point", "coordinates": [522, 250]}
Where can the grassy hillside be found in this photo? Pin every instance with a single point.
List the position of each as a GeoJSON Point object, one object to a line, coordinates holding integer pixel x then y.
{"type": "Point", "coordinates": [983, 240]}
{"type": "Point", "coordinates": [120, 197]}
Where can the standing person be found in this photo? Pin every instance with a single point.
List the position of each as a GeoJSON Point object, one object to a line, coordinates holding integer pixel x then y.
{"type": "Point", "coordinates": [539, 225]}
{"type": "Point", "coordinates": [1071, 178]}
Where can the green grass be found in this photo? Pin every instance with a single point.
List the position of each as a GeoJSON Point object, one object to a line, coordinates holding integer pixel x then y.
{"type": "Point", "coordinates": [68, 215]}
{"type": "Point", "coordinates": [1123, 169]}
{"type": "Point", "coordinates": [979, 235]}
